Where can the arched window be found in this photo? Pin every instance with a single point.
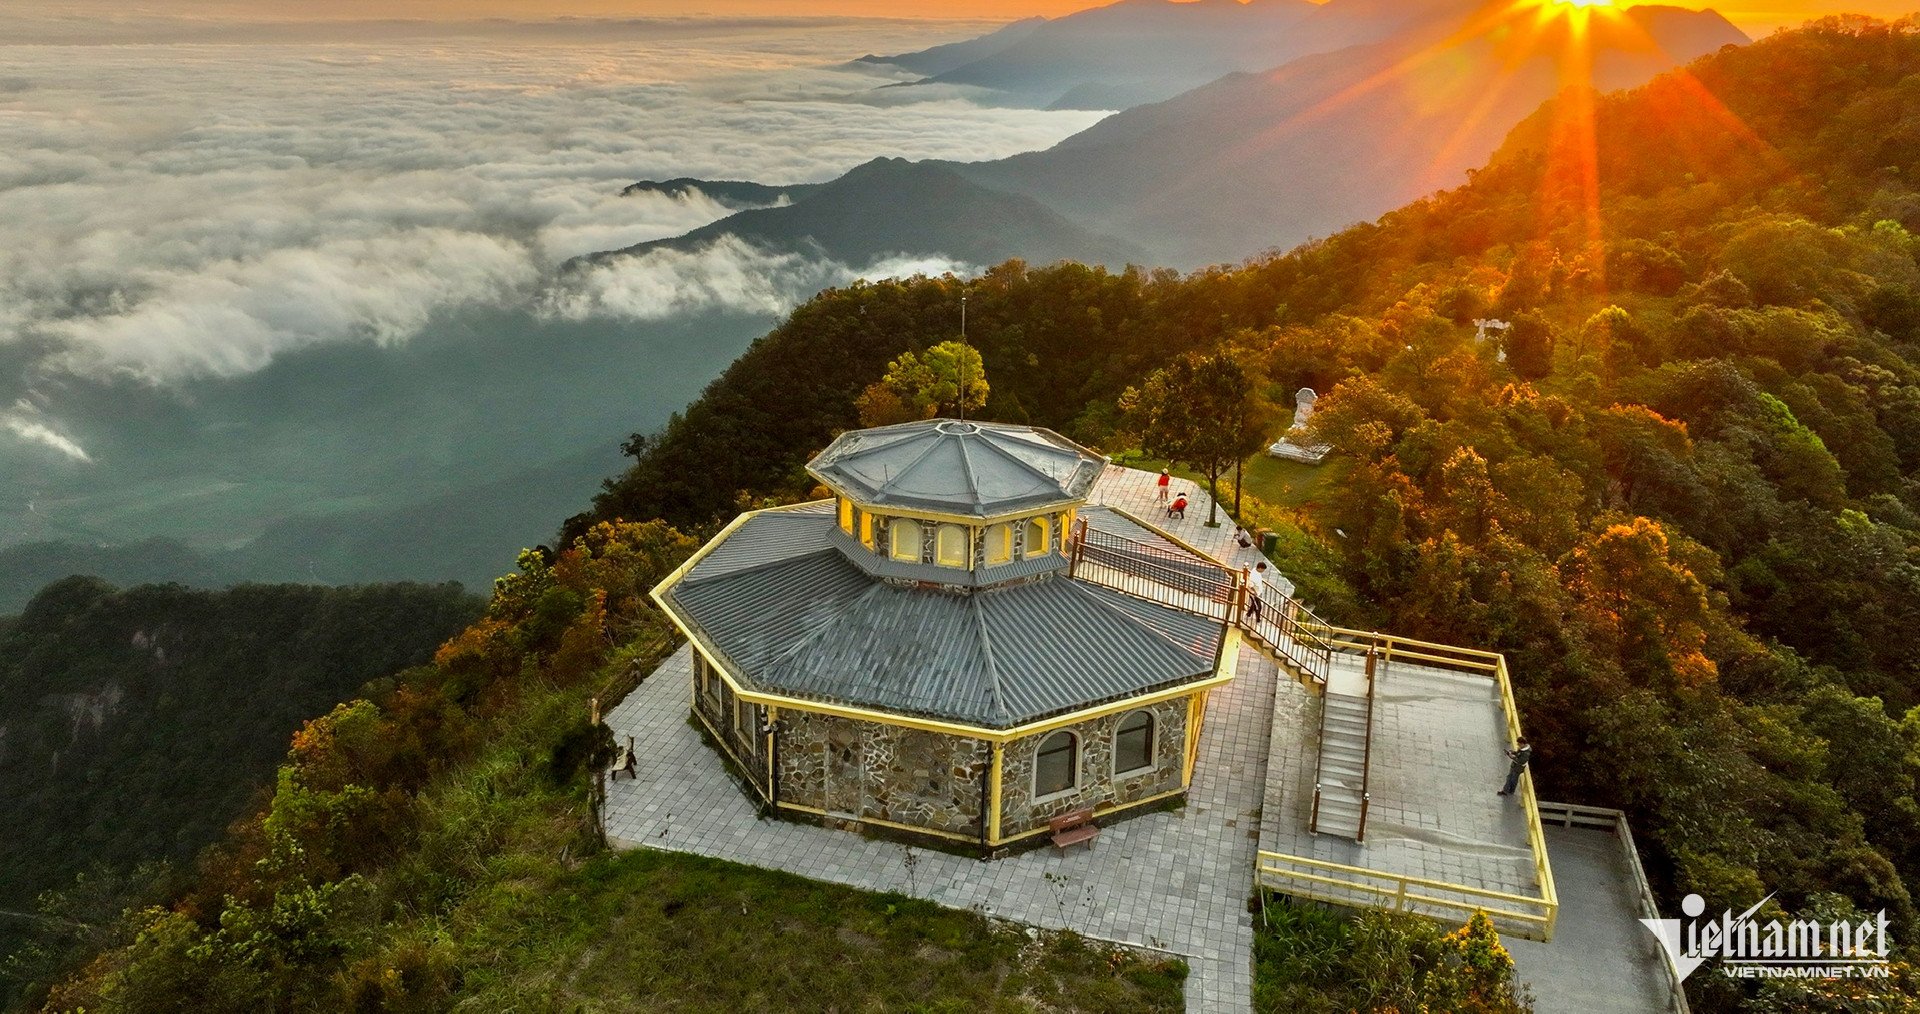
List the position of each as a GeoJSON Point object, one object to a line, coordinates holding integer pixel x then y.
{"type": "Point", "coordinates": [1034, 540]}
{"type": "Point", "coordinates": [999, 548]}
{"type": "Point", "coordinates": [1057, 767]}
{"type": "Point", "coordinates": [953, 547]}
{"type": "Point", "coordinates": [1133, 743]}
{"type": "Point", "coordinates": [904, 536]}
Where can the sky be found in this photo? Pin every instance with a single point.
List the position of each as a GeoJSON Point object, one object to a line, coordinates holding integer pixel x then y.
{"type": "Point", "coordinates": [1757, 17]}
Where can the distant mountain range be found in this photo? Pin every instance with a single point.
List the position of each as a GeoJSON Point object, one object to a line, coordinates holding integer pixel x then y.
{"type": "Point", "coordinates": [1244, 163]}
{"type": "Point", "coordinates": [1139, 51]}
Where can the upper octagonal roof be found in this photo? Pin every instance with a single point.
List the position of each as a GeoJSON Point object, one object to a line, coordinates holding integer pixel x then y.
{"type": "Point", "coordinates": [949, 466]}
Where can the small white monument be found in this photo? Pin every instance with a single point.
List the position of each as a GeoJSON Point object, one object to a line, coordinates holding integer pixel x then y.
{"type": "Point", "coordinates": [1292, 445]}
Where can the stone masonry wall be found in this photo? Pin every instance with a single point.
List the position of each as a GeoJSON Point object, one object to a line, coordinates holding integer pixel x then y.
{"type": "Point", "coordinates": [1019, 811]}
{"type": "Point", "coordinates": [882, 772]}
{"type": "Point", "coordinates": [716, 705]}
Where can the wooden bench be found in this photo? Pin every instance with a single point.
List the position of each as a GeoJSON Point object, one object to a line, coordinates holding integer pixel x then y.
{"type": "Point", "coordinates": [1071, 829]}
{"type": "Point", "coordinates": [623, 762]}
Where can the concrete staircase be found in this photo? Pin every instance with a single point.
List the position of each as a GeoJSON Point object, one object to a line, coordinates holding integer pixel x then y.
{"type": "Point", "coordinates": [1341, 783]}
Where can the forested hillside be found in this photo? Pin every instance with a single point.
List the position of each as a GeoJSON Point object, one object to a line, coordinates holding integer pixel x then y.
{"type": "Point", "coordinates": [1683, 490]}
{"type": "Point", "coordinates": [135, 724]}
{"type": "Point", "coordinates": [1680, 491]}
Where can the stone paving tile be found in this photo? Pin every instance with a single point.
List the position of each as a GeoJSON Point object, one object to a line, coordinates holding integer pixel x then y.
{"type": "Point", "coordinates": [1135, 492]}
{"type": "Point", "coordinates": [1176, 881]}
{"type": "Point", "coordinates": [1437, 761]}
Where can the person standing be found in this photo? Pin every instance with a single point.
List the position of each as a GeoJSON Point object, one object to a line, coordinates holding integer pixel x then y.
{"type": "Point", "coordinates": [1164, 480]}
{"type": "Point", "coordinates": [1256, 587]}
{"type": "Point", "coordinates": [1521, 755]}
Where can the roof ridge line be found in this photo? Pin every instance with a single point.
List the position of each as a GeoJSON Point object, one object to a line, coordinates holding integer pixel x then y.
{"type": "Point", "coordinates": [887, 486]}
{"type": "Point", "coordinates": [690, 577]}
{"type": "Point", "coordinates": [1087, 589]}
{"type": "Point", "coordinates": [1017, 460]}
{"type": "Point", "coordinates": [986, 656]}
{"type": "Point", "coordinates": [966, 468]}
{"type": "Point", "coordinates": [793, 647]}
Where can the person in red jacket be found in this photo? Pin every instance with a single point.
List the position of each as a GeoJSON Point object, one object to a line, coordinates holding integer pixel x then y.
{"type": "Point", "coordinates": [1164, 479]}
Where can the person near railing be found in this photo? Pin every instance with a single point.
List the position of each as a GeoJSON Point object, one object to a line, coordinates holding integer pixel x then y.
{"type": "Point", "coordinates": [1521, 755]}
{"type": "Point", "coordinates": [1256, 585]}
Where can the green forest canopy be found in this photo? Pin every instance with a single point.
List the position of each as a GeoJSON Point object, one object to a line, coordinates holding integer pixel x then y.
{"type": "Point", "coordinates": [1680, 492]}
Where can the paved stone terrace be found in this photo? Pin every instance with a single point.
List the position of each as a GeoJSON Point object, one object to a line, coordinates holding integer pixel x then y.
{"type": "Point", "coordinates": [1437, 761]}
{"type": "Point", "coordinates": [1137, 493]}
{"type": "Point", "coordinates": [1601, 960]}
{"type": "Point", "coordinates": [1177, 881]}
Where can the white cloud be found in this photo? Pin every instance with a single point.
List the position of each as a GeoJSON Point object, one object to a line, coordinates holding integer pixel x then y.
{"type": "Point", "coordinates": [190, 210]}
{"type": "Point", "coordinates": [24, 421]}
{"type": "Point", "coordinates": [727, 274]}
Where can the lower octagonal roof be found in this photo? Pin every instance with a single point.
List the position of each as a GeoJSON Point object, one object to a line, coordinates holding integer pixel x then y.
{"type": "Point", "coordinates": [803, 620]}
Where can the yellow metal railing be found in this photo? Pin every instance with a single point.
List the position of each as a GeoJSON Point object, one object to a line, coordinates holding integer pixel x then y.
{"type": "Point", "coordinates": [1471, 660]}
{"type": "Point", "coordinates": [1338, 884]}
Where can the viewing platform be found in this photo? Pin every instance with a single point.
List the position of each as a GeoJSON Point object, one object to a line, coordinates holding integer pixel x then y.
{"type": "Point", "coordinates": [1429, 836]}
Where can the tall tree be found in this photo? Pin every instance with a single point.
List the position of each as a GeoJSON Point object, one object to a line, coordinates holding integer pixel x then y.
{"type": "Point", "coordinates": [1201, 411]}
{"type": "Point", "coordinates": [947, 378]}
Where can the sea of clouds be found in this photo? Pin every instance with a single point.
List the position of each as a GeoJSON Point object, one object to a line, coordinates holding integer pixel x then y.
{"type": "Point", "coordinates": [183, 202]}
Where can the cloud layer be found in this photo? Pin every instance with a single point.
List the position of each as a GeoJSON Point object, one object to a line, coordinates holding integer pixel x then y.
{"type": "Point", "coordinates": [183, 211]}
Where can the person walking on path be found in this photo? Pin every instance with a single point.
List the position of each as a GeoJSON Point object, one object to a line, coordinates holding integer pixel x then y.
{"type": "Point", "coordinates": [1164, 480]}
{"type": "Point", "coordinates": [1522, 755]}
{"type": "Point", "coordinates": [1256, 586]}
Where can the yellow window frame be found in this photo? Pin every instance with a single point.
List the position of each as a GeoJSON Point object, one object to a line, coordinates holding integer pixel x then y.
{"type": "Point", "coordinates": [1029, 550]}
{"type": "Point", "coordinates": [898, 527]}
{"type": "Point", "coordinates": [962, 554]}
{"type": "Point", "coordinates": [999, 543]}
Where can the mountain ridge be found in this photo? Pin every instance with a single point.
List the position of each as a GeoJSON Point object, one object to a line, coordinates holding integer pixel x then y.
{"type": "Point", "coordinates": [1246, 163]}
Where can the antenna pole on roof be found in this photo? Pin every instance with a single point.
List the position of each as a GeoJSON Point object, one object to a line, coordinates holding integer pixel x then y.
{"type": "Point", "coordinates": [963, 352]}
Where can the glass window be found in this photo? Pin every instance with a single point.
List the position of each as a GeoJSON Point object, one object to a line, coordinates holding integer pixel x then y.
{"type": "Point", "coordinates": [846, 515]}
{"type": "Point", "coordinates": [905, 536]}
{"type": "Point", "coordinates": [999, 547]}
{"type": "Point", "coordinates": [954, 546]}
{"type": "Point", "coordinates": [1035, 538]}
{"type": "Point", "coordinates": [866, 529]}
{"type": "Point", "coordinates": [1133, 743]}
{"type": "Point", "coordinates": [1057, 767]}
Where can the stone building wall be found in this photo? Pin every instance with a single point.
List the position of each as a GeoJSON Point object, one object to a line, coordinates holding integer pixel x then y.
{"type": "Point", "coordinates": [715, 702]}
{"type": "Point", "coordinates": [866, 770]}
{"type": "Point", "coordinates": [1020, 811]}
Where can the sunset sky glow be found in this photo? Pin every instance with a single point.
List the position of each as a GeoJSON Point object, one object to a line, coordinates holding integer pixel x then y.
{"type": "Point", "coordinates": [1757, 17]}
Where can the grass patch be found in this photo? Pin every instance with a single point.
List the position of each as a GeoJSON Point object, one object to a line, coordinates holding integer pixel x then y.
{"type": "Point", "coordinates": [1291, 484]}
{"type": "Point", "coordinates": [662, 931]}
{"type": "Point", "coordinates": [1275, 481]}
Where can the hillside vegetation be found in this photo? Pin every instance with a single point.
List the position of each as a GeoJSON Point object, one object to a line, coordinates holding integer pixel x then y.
{"type": "Point", "coordinates": [135, 724]}
{"type": "Point", "coordinates": [1682, 491]}
{"type": "Point", "coordinates": [433, 844]}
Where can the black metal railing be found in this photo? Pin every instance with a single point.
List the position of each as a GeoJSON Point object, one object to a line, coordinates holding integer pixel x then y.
{"type": "Point", "coordinates": [1291, 630]}
{"type": "Point", "coordinates": [1158, 573]}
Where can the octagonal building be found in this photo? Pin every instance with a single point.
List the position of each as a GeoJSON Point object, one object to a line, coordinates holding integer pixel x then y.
{"type": "Point", "coordinates": [919, 654]}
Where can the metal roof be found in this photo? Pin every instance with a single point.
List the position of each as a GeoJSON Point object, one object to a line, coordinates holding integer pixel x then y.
{"type": "Point", "coordinates": [947, 466]}
{"type": "Point", "coordinates": [806, 621]}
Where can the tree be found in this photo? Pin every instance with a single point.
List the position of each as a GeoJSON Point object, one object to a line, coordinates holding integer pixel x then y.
{"type": "Point", "coordinates": [1200, 411]}
{"type": "Point", "coordinates": [947, 378]}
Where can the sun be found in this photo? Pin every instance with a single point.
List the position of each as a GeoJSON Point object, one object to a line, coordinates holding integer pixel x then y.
{"type": "Point", "coordinates": [1574, 13]}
